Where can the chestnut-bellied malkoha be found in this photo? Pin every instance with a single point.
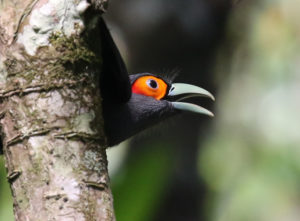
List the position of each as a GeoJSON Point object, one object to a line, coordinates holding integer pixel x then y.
{"type": "Point", "coordinates": [132, 103]}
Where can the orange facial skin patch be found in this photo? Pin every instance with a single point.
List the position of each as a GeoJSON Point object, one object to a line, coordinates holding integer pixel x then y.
{"type": "Point", "coordinates": [150, 86]}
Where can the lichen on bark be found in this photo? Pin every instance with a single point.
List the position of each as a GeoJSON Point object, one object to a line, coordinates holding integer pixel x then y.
{"type": "Point", "coordinates": [51, 119]}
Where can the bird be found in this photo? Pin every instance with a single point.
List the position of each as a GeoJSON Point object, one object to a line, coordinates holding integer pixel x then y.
{"type": "Point", "coordinates": [133, 103]}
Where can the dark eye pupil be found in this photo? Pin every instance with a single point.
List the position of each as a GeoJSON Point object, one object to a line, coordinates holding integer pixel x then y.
{"type": "Point", "coordinates": [152, 83]}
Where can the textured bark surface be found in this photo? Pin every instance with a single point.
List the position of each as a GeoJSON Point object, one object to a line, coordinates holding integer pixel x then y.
{"type": "Point", "coordinates": [50, 112]}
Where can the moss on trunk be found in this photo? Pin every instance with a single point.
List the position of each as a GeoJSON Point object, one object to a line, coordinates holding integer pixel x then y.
{"type": "Point", "coordinates": [52, 126]}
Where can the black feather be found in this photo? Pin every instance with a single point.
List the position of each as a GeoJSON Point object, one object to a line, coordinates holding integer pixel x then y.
{"type": "Point", "coordinates": [139, 113]}
{"type": "Point", "coordinates": [114, 81]}
{"type": "Point", "coordinates": [125, 113]}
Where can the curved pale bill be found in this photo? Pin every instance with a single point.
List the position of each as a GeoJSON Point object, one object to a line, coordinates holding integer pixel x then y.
{"type": "Point", "coordinates": [188, 90]}
{"type": "Point", "coordinates": [192, 108]}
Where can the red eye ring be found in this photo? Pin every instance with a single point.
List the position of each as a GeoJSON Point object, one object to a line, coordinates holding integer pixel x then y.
{"type": "Point", "coordinates": [150, 86]}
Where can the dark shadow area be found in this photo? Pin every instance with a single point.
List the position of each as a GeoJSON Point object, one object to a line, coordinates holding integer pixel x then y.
{"type": "Point", "coordinates": [163, 36]}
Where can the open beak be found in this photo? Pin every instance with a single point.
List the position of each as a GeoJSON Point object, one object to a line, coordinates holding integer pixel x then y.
{"type": "Point", "coordinates": [179, 91]}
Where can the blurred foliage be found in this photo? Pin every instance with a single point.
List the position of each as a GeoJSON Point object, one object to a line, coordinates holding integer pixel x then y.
{"type": "Point", "coordinates": [116, 157]}
{"type": "Point", "coordinates": [251, 163]}
{"type": "Point", "coordinates": [251, 160]}
{"type": "Point", "coordinates": [141, 184]}
{"type": "Point", "coordinates": [6, 210]}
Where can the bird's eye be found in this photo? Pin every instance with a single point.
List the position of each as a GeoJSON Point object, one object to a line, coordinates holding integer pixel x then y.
{"type": "Point", "coordinates": [150, 86]}
{"type": "Point", "coordinates": [152, 83]}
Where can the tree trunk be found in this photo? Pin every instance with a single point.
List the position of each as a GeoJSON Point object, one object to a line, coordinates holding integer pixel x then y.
{"type": "Point", "coordinates": [50, 110]}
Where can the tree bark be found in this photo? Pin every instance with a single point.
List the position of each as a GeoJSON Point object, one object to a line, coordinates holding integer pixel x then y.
{"type": "Point", "coordinates": [50, 111]}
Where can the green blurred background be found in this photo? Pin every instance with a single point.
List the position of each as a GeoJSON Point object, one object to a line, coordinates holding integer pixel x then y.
{"type": "Point", "coordinates": [244, 164]}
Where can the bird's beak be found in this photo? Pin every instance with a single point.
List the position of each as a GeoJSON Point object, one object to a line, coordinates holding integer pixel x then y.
{"type": "Point", "coordinates": [179, 91]}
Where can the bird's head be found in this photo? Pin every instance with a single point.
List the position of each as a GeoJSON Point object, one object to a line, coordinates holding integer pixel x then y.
{"type": "Point", "coordinates": [135, 102]}
{"type": "Point", "coordinates": [164, 90]}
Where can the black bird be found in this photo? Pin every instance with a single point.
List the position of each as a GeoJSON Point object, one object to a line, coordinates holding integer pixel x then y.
{"type": "Point", "coordinates": [132, 103]}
